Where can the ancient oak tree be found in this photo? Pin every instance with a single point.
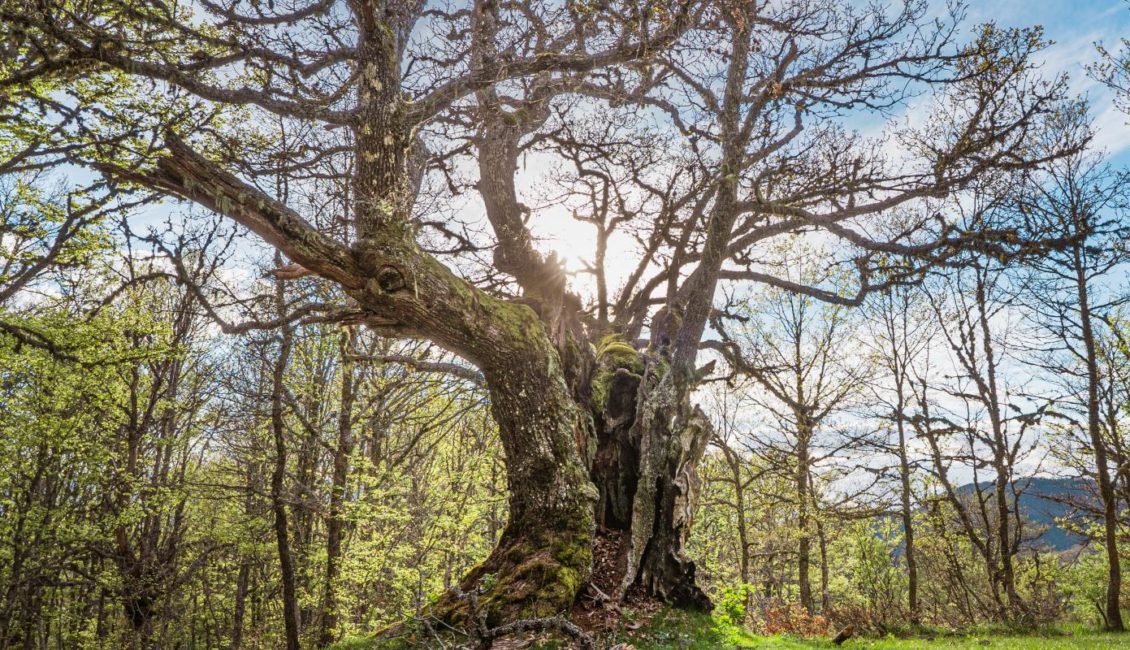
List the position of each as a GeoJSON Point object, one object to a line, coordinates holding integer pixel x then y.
{"type": "Point", "coordinates": [687, 135]}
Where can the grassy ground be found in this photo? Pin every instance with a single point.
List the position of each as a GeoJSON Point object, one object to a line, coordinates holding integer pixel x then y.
{"type": "Point", "coordinates": [669, 630]}
{"type": "Point", "coordinates": [677, 631]}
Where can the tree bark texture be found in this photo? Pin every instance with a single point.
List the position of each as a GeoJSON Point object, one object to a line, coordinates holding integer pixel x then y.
{"type": "Point", "coordinates": [649, 442]}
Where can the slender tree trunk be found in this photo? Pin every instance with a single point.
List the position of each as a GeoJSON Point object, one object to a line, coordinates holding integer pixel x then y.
{"type": "Point", "coordinates": [804, 545]}
{"type": "Point", "coordinates": [1004, 535]}
{"type": "Point", "coordinates": [734, 462]}
{"type": "Point", "coordinates": [335, 525]}
{"type": "Point", "coordinates": [291, 621]}
{"type": "Point", "coordinates": [1001, 461]}
{"type": "Point", "coordinates": [743, 526]}
{"type": "Point", "coordinates": [907, 512]}
{"type": "Point", "coordinates": [825, 592]}
{"type": "Point", "coordinates": [1102, 470]}
{"type": "Point", "coordinates": [100, 624]}
{"type": "Point", "coordinates": [244, 579]}
{"type": "Point", "coordinates": [240, 604]}
{"type": "Point", "coordinates": [906, 496]}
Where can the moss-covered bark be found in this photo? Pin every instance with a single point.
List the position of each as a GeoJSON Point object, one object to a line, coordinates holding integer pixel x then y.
{"type": "Point", "coordinates": [536, 571]}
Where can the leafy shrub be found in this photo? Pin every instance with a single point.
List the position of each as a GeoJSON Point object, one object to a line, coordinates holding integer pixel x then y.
{"type": "Point", "coordinates": [730, 605]}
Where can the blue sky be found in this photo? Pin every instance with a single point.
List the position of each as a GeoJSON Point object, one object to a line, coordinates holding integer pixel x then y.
{"type": "Point", "coordinates": [1075, 26]}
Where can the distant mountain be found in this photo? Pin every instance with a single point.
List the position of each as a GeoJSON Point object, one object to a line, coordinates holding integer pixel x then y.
{"type": "Point", "coordinates": [1044, 501]}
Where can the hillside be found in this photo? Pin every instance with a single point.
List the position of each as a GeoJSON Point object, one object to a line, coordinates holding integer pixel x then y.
{"type": "Point", "coordinates": [1046, 501]}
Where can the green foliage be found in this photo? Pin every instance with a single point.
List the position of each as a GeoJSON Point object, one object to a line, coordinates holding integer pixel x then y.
{"type": "Point", "coordinates": [867, 583]}
{"type": "Point", "coordinates": [1084, 585]}
{"type": "Point", "coordinates": [36, 222]}
{"type": "Point", "coordinates": [870, 579]}
{"type": "Point", "coordinates": [730, 605]}
{"type": "Point", "coordinates": [72, 492]}
{"type": "Point", "coordinates": [425, 500]}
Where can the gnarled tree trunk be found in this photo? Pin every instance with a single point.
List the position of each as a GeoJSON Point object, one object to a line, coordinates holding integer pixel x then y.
{"type": "Point", "coordinates": [544, 555]}
{"type": "Point", "coordinates": [650, 440]}
{"type": "Point", "coordinates": [616, 447]}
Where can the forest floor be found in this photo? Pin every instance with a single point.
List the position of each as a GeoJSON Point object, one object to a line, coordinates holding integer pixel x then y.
{"type": "Point", "coordinates": [671, 630]}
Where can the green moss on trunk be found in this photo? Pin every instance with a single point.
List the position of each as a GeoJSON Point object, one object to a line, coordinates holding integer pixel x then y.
{"type": "Point", "coordinates": [535, 571]}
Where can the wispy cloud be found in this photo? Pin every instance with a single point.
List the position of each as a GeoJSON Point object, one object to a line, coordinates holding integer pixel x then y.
{"type": "Point", "coordinates": [1074, 27]}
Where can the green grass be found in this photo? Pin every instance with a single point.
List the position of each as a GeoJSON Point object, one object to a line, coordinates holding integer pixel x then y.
{"type": "Point", "coordinates": [681, 631]}
{"type": "Point", "coordinates": [1092, 640]}
{"type": "Point", "coordinates": [673, 630]}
